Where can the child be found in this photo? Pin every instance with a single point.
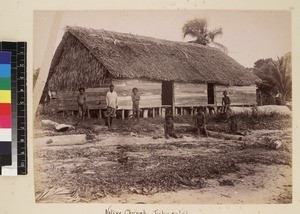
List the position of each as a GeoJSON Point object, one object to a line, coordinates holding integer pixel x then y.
{"type": "Point", "coordinates": [200, 121]}
{"type": "Point", "coordinates": [81, 100]}
{"type": "Point", "coordinates": [233, 126]}
{"type": "Point", "coordinates": [225, 103]}
{"type": "Point", "coordinates": [135, 103]}
{"type": "Point", "coordinates": [169, 114]}
{"type": "Point", "coordinates": [169, 127]}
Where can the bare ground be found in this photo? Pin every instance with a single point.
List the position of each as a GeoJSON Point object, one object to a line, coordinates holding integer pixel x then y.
{"type": "Point", "coordinates": [129, 166]}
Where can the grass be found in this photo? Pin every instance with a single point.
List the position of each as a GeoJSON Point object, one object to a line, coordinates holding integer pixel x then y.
{"type": "Point", "coordinates": [215, 122]}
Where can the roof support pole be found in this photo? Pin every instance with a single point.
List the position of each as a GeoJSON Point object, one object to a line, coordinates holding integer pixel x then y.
{"type": "Point", "coordinates": [42, 78]}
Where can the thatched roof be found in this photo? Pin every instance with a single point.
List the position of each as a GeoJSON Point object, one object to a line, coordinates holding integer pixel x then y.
{"type": "Point", "coordinates": [95, 54]}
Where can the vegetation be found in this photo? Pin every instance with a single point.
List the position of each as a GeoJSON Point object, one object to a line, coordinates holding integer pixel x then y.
{"type": "Point", "coordinates": [276, 76]}
{"type": "Point", "coordinates": [198, 29]}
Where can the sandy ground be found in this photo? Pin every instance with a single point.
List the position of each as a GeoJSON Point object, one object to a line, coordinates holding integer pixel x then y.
{"type": "Point", "coordinates": [270, 184]}
{"type": "Point", "coordinates": [253, 183]}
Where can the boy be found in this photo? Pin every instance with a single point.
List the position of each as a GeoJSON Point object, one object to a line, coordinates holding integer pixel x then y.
{"type": "Point", "coordinates": [81, 101]}
{"type": "Point", "coordinates": [200, 121]}
{"type": "Point", "coordinates": [135, 97]}
{"type": "Point", "coordinates": [112, 105]}
{"type": "Point", "coordinates": [225, 103]}
{"type": "Point", "coordinates": [169, 127]}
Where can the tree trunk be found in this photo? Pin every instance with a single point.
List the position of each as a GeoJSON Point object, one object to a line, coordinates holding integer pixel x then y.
{"type": "Point", "coordinates": [224, 136]}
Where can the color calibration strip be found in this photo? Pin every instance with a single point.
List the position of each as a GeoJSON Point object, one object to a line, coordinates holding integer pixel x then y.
{"type": "Point", "coordinates": [5, 109]}
{"type": "Point", "coordinates": [18, 108]}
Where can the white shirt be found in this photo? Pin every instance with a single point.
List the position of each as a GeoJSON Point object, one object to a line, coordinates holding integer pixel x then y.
{"type": "Point", "coordinates": [112, 99]}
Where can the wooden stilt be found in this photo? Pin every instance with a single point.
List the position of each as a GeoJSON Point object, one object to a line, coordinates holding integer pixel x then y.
{"type": "Point", "coordinates": [100, 114]}
{"type": "Point", "coordinates": [159, 111]}
{"type": "Point", "coordinates": [163, 112]}
{"type": "Point", "coordinates": [123, 114]}
{"type": "Point", "coordinates": [145, 113]}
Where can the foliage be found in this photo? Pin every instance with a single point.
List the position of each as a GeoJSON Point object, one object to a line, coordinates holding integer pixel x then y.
{"type": "Point", "coordinates": [198, 28]}
{"type": "Point", "coordinates": [276, 76]}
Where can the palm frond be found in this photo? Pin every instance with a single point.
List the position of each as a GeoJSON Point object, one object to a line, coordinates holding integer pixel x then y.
{"type": "Point", "coordinates": [217, 32]}
{"type": "Point", "coordinates": [57, 195]}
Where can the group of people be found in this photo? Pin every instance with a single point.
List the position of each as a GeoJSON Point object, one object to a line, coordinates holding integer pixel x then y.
{"type": "Point", "coordinates": [112, 106]}
{"type": "Point", "coordinates": [111, 103]}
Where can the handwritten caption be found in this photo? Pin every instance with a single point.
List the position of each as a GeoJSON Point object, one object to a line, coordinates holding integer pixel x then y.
{"type": "Point", "coordinates": [111, 210]}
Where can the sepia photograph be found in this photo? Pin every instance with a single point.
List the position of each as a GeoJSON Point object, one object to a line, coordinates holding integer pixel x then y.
{"type": "Point", "coordinates": [162, 106]}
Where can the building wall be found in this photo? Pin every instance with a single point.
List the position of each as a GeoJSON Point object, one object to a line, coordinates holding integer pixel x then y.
{"type": "Point", "coordinates": [150, 92]}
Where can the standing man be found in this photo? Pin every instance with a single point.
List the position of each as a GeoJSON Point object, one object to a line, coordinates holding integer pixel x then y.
{"type": "Point", "coordinates": [112, 105]}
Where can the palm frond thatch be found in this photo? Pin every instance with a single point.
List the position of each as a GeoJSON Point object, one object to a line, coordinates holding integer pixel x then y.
{"type": "Point", "coordinates": [57, 195]}
{"type": "Point", "coordinates": [85, 57]}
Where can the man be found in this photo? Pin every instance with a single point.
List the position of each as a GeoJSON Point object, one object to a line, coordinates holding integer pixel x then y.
{"type": "Point", "coordinates": [112, 105]}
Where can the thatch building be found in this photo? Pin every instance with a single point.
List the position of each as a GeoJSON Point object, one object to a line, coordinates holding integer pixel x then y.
{"type": "Point", "coordinates": [95, 58]}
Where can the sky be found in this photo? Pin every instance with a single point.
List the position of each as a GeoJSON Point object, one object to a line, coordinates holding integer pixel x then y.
{"type": "Point", "coordinates": [248, 35]}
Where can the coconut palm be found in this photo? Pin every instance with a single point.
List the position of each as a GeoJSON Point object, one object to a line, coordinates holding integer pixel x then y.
{"type": "Point", "coordinates": [198, 28]}
{"type": "Point", "coordinates": [276, 76]}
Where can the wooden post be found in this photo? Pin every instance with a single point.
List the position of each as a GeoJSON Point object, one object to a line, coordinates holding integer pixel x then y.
{"type": "Point", "coordinates": [176, 111]}
{"type": "Point", "coordinates": [123, 114]}
{"type": "Point", "coordinates": [153, 112]}
{"type": "Point", "coordinates": [163, 112]}
{"type": "Point", "coordinates": [145, 113]}
{"type": "Point", "coordinates": [159, 111]}
{"type": "Point", "coordinates": [100, 114]}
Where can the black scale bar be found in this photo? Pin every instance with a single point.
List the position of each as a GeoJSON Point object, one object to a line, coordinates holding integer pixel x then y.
{"type": "Point", "coordinates": [19, 99]}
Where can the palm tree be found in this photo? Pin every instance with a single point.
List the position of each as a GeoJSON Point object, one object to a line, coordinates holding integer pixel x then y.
{"type": "Point", "coordinates": [276, 76]}
{"type": "Point", "coordinates": [198, 28]}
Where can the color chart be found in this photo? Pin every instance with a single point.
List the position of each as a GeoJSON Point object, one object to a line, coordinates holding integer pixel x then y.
{"type": "Point", "coordinates": [13, 126]}
{"type": "Point", "coordinates": [5, 109]}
